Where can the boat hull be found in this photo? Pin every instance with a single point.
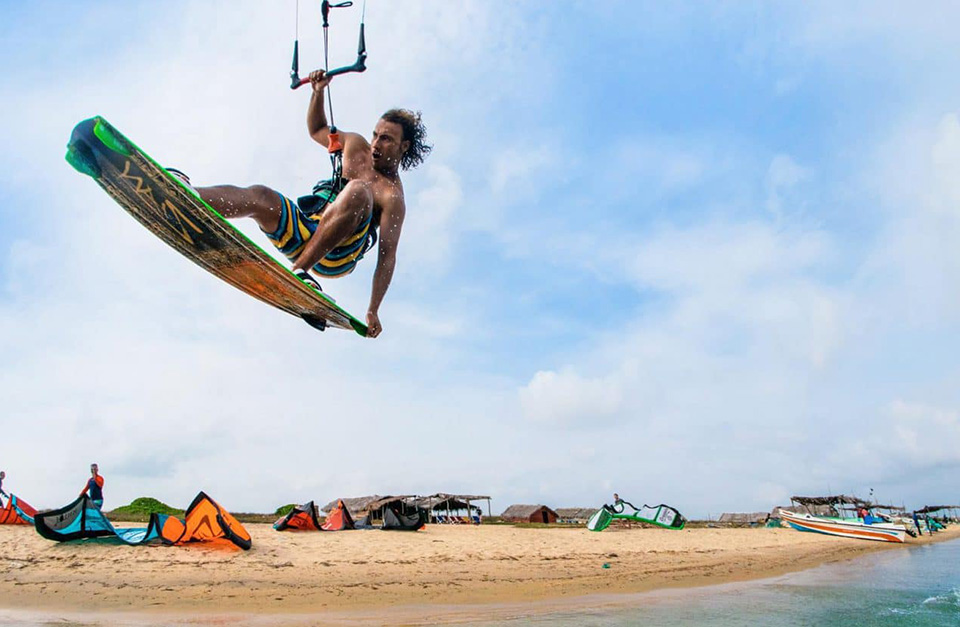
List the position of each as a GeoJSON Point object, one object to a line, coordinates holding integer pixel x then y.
{"type": "Point", "coordinates": [881, 532]}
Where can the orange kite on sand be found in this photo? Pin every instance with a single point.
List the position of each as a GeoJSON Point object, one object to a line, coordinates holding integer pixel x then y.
{"type": "Point", "coordinates": [17, 512]}
{"type": "Point", "coordinates": [304, 518]}
{"type": "Point", "coordinates": [203, 521]}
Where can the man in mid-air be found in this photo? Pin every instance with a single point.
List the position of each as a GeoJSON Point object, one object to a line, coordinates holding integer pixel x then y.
{"type": "Point", "coordinates": [329, 231]}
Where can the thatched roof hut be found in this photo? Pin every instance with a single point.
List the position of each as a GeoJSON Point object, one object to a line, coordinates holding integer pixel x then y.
{"type": "Point", "coordinates": [816, 510]}
{"type": "Point", "coordinates": [529, 513]}
{"type": "Point", "coordinates": [929, 509]}
{"type": "Point", "coordinates": [754, 518]}
{"type": "Point", "coordinates": [360, 506]}
{"type": "Point", "coordinates": [826, 505]}
{"type": "Point", "coordinates": [441, 501]}
{"type": "Point", "coordinates": [575, 514]}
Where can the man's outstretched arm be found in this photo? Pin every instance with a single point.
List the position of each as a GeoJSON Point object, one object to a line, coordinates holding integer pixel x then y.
{"type": "Point", "coordinates": [391, 222]}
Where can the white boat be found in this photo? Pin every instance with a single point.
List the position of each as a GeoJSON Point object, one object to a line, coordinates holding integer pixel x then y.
{"type": "Point", "coordinates": [845, 527]}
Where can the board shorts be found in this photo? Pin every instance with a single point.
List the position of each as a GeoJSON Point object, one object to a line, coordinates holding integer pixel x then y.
{"type": "Point", "coordinates": [297, 226]}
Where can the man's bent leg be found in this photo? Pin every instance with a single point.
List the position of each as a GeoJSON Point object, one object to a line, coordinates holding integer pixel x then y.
{"type": "Point", "coordinates": [338, 222]}
{"type": "Point", "coordinates": [258, 202]}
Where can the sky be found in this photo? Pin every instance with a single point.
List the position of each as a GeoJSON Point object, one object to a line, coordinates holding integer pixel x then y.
{"type": "Point", "coordinates": [700, 253]}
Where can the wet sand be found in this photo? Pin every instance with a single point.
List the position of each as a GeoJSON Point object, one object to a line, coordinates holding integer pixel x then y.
{"type": "Point", "coordinates": [317, 574]}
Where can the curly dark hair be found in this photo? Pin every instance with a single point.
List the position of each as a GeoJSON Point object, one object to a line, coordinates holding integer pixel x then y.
{"type": "Point", "coordinates": [414, 132]}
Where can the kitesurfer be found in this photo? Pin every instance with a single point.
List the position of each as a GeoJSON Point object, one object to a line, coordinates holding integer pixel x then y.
{"type": "Point", "coordinates": [3, 476]}
{"type": "Point", "coordinates": [94, 486]}
{"type": "Point", "coordinates": [329, 231]}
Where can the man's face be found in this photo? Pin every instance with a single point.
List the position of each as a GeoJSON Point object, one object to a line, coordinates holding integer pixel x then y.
{"type": "Point", "coordinates": [3, 475]}
{"type": "Point", "coordinates": [93, 469]}
{"type": "Point", "coordinates": [387, 145]}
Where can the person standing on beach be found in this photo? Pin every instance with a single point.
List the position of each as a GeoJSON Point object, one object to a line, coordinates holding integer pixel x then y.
{"type": "Point", "coordinates": [94, 486]}
{"type": "Point", "coordinates": [3, 476]}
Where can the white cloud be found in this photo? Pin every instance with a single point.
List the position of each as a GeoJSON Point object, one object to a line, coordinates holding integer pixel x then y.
{"type": "Point", "coordinates": [903, 438]}
{"type": "Point", "coordinates": [565, 398]}
{"type": "Point", "coordinates": [431, 229]}
{"type": "Point", "coordinates": [913, 269]}
{"type": "Point", "coordinates": [783, 175]}
{"type": "Point", "coordinates": [945, 161]}
{"type": "Point", "coordinates": [662, 160]}
{"type": "Point", "coordinates": [520, 167]}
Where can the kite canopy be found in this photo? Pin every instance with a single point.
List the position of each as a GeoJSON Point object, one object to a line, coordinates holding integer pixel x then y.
{"type": "Point", "coordinates": [339, 519]}
{"type": "Point", "coordinates": [396, 519]}
{"type": "Point", "coordinates": [661, 515]}
{"type": "Point", "coordinates": [17, 512]}
{"type": "Point", "coordinates": [83, 519]}
{"type": "Point", "coordinates": [203, 521]}
{"type": "Point", "coordinates": [302, 518]}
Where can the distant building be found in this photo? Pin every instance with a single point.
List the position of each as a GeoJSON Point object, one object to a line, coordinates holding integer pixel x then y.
{"type": "Point", "coordinates": [752, 518]}
{"type": "Point", "coordinates": [575, 515]}
{"type": "Point", "coordinates": [530, 513]}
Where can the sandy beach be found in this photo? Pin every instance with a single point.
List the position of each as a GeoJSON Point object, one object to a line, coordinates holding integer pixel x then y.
{"type": "Point", "coordinates": [315, 573]}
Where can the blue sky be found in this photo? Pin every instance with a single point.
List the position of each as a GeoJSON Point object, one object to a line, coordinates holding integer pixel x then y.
{"type": "Point", "coordinates": [700, 253]}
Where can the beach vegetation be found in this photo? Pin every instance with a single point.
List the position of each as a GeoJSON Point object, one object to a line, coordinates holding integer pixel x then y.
{"type": "Point", "coordinates": [139, 510]}
{"type": "Point", "coordinates": [283, 510]}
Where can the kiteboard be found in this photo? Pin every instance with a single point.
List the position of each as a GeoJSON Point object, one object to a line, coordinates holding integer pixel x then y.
{"type": "Point", "coordinates": [174, 213]}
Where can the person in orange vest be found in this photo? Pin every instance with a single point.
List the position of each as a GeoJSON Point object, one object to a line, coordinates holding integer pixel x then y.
{"type": "Point", "coordinates": [94, 486]}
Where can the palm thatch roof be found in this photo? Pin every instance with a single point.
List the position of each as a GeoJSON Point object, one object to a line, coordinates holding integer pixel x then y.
{"type": "Point", "coordinates": [839, 499]}
{"type": "Point", "coordinates": [444, 501]}
{"type": "Point", "coordinates": [362, 504]}
{"type": "Point", "coordinates": [575, 513]}
{"type": "Point", "coordinates": [523, 511]}
{"type": "Point", "coordinates": [816, 510]}
{"type": "Point", "coordinates": [441, 500]}
{"type": "Point", "coordinates": [744, 518]}
{"type": "Point", "coordinates": [929, 509]}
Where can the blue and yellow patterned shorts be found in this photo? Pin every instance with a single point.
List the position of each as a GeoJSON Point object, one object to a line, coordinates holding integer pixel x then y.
{"type": "Point", "coordinates": [296, 228]}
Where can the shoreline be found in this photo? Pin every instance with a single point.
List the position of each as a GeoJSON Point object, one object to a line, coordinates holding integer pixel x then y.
{"type": "Point", "coordinates": [444, 573]}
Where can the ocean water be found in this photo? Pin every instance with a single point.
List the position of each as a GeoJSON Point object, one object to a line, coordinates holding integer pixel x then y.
{"type": "Point", "coordinates": [918, 587]}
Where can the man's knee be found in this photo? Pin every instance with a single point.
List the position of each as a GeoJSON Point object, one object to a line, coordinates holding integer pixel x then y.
{"type": "Point", "coordinates": [263, 196]}
{"type": "Point", "coordinates": [357, 199]}
{"type": "Point", "coordinates": [358, 192]}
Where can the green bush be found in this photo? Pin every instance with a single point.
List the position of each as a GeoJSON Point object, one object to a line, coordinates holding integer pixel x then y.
{"type": "Point", "coordinates": [144, 506]}
{"type": "Point", "coordinates": [283, 510]}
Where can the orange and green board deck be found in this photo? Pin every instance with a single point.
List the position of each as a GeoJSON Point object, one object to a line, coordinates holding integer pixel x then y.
{"type": "Point", "coordinates": [175, 214]}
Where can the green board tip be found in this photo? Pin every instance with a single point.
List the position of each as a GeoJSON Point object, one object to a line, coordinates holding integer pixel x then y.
{"type": "Point", "coordinates": [110, 138]}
